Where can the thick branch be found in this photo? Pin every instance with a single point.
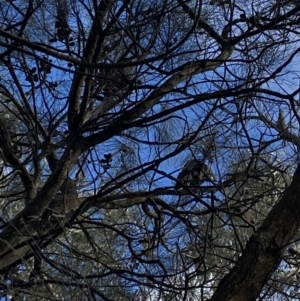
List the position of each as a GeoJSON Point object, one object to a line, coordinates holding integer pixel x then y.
{"type": "Point", "coordinates": [10, 158]}
{"type": "Point", "coordinates": [22, 227]}
{"type": "Point", "coordinates": [190, 69]}
{"type": "Point", "coordinates": [201, 24]}
{"type": "Point", "coordinates": [264, 250]}
{"type": "Point", "coordinates": [88, 56]}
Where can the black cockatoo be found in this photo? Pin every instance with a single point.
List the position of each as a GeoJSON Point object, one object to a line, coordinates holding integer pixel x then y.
{"type": "Point", "coordinates": [193, 173]}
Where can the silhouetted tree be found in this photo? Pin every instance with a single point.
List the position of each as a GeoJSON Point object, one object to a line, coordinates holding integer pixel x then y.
{"type": "Point", "coordinates": [149, 150]}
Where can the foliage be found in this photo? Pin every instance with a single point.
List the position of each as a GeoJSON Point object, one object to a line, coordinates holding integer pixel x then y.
{"type": "Point", "coordinates": [102, 103]}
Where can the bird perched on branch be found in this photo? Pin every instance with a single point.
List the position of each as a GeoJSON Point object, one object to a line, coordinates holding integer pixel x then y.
{"type": "Point", "coordinates": [193, 173]}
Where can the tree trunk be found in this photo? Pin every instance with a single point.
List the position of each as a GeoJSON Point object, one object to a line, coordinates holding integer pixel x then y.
{"type": "Point", "coordinates": [264, 250]}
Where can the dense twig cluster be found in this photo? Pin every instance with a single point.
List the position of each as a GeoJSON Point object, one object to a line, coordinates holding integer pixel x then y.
{"type": "Point", "coordinates": [143, 144]}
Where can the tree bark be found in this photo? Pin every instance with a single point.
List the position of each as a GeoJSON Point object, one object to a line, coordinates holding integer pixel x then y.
{"type": "Point", "coordinates": [264, 250]}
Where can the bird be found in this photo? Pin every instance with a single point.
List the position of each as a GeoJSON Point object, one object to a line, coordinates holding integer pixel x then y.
{"type": "Point", "coordinates": [193, 173]}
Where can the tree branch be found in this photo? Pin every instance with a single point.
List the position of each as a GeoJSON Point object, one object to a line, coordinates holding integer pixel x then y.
{"type": "Point", "coordinates": [264, 250]}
